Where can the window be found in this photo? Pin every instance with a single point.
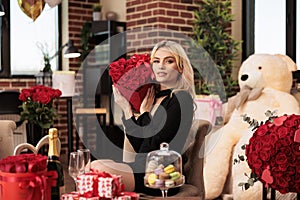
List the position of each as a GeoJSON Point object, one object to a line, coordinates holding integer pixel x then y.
{"type": "Point", "coordinates": [270, 26]}
{"type": "Point", "coordinates": [270, 29]}
{"type": "Point", "coordinates": [25, 57]}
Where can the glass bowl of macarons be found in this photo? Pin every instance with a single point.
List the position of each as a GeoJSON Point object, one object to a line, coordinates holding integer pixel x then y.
{"type": "Point", "coordinates": [163, 169]}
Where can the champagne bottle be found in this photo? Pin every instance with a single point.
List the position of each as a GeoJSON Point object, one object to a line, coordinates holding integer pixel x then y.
{"type": "Point", "coordinates": [53, 163]}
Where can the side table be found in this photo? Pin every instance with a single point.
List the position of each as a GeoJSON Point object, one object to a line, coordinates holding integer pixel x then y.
{"type": "Point", "coordinates": [101, 115]}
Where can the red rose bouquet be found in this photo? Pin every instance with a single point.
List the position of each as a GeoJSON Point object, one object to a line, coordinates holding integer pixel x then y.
{"type": "Point", "coordinates": [132, 78]}
{"type": "Point", "coordinates": [23, 163]}
{"type": "Point", "coordinates": [37, 105]}
{"type": "Point", "coordinates": [273, 153]}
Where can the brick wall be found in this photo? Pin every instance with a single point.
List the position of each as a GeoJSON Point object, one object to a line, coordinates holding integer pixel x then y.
{"type": "Point", "coordinates": [175, 15]}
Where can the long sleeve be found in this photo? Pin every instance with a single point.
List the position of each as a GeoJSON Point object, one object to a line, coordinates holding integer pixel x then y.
{"type": "Point", "coordinates": [172, 120]}
{"type": "Point", "coordinates": [170, 123]}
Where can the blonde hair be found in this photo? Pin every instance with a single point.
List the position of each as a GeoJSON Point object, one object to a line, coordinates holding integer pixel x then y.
{"type": "Point", "coordinates": [186, 81]}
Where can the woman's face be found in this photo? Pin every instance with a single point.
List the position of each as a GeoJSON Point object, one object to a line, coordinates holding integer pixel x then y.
{"type": "Point", "coordinates": [165, 68]}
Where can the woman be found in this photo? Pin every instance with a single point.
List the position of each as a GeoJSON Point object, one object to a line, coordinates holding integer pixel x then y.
{"type": "Point", "coordinates": [166, 113]}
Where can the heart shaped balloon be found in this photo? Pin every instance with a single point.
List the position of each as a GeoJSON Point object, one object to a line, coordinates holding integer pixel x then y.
{"type": "Point", "coordinates": [32, 8]}
{"type": "Point", "coordinates": [53, 3]}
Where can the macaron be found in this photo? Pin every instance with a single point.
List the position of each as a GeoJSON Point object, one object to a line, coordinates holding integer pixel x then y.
{"type": "Point", "coordinates": [152, 164]}
{"type": "Point", "coordinates": [179, 181]}
{"type": "Point", "coordinates": [159, 183]}
{"type": "Point", "coordinates": [169, 169]}
{"type": "Point", "coordinates": [169, 183]}
{"type": "Point", "coordinates": [158, 170]}
{"type": "Point", "coordinates": [152, 178]}
{"type": "Point", "coordinates": [163, 176]}
{"type": "Point", "coordinates": [174, 175]}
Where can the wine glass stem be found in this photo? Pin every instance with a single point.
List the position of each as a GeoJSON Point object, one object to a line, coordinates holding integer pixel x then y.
{"type": "Point", "coordinates": [75, 184]}
{"type": "Point", "coordinates": [164, 193]}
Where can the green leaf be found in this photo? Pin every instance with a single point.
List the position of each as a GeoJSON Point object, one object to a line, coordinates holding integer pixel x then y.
{"type": "Point", "coordinates": [241, 184]}
{"type": "Point", "coordinates": [251, 182]}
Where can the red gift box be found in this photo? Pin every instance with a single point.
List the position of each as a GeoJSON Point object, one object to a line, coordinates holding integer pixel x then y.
{"type": "Point", "coordinates": [109, 187]}
{"type": "Point", "coordinates": [25, 177]}
{"type": "Point", "coordinates": [87, 184]}
{"type": "Point", "coordinates": [99, 184]}
{"type": "Point", "coordinates": [27, 186]}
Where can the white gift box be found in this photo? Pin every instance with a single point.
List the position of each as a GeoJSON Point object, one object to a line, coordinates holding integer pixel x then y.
{"type": "Point", "coordinates": [209, 107]}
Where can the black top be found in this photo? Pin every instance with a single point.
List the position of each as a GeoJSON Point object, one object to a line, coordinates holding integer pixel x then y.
{"type": "Point", "coordinates": [170, 123]}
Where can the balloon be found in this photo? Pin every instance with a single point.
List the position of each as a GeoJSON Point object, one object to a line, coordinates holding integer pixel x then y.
{"type": "Point", "coordinates": [53, 3]}
{"type": "Point", "coordinates": [32, 8]}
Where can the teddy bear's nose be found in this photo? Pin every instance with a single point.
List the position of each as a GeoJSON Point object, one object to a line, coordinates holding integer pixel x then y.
{"type": "Point", "coordinates": [244, 77]}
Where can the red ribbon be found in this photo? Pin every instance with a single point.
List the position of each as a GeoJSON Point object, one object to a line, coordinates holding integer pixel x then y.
{"type": "Point", "coordinates": [42, 180]}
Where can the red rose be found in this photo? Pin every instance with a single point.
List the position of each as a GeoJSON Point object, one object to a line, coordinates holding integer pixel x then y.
{"type": "Point", "coordinates": [43, 98]}
{"type": "Point", "coordinates": [132, 77]}
{"type": "Point", "coordinates": [273, 146]}
{"type": "Point", "coordinates": [262, 130]}
{"type": "Point", "coordinates": [25, 93]}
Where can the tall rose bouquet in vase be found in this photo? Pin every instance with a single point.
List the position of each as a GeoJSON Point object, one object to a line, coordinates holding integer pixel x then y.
{"type": "Point", "coordinates": [38, 105]}
{"type": "Point", "coordinates": [132, 78]}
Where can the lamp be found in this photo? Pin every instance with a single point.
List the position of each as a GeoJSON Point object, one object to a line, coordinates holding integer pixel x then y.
{"type": "Point", "coordinates": [71, 51]}
{"type": "Point", "coordinates": [2, 11]}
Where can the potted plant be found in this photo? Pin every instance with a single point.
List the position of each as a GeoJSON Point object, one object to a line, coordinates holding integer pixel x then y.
{"type": "Point", "coordinates": [211, 31]}
{"type": "Point", "coordinates": [97, 7]}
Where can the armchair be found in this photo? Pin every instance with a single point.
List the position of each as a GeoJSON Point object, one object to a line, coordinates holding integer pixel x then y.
{"type": "Point", "coordinates": [7, 128]}
{"type": "Point", "coordinates": [10, 110]}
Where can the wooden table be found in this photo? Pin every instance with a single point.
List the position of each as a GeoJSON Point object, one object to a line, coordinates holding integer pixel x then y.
{"type": "Point", "coordinates": [99, 112]}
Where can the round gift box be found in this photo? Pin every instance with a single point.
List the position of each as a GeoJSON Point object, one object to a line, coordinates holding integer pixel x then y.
{"type": "Point", "coordinates": [24, 186]}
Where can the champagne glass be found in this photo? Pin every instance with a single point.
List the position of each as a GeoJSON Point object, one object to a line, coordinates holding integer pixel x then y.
{"type": "Point", "coordinates": [87, 159]}
{"type": "Point", "coordinates": [76, 165]}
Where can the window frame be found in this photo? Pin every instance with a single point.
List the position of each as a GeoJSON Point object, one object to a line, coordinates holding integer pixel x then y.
{"type": "Point", "coordinates": [248, 20]}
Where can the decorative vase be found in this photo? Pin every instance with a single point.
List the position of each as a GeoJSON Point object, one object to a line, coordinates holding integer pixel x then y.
{"type": "Point", "coordinates": [97, 16]}
{"type": "Point", "coordinates": [34, 133]}
{"type": "Point", "coordinates": [110, 15]}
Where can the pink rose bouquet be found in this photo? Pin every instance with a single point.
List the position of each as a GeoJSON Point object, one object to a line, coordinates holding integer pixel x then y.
{"type": "Point", "coordinates": [37, 105]}
{"type": "Point", "coordinates": [132, 78]}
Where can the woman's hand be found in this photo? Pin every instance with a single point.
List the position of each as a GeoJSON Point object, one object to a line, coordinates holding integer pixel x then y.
{"type": "Point", "coordinates": [123, 103]}
{"type": "Point", "coordinates": [148, 101]}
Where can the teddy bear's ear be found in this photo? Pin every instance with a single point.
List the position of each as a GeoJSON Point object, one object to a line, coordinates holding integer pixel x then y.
{"type": "Point", "coordinates": [290, 63]}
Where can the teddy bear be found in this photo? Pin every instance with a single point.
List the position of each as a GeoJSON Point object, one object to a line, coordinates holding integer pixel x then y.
{"type": "Point", "coordinates": [265, 81]}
